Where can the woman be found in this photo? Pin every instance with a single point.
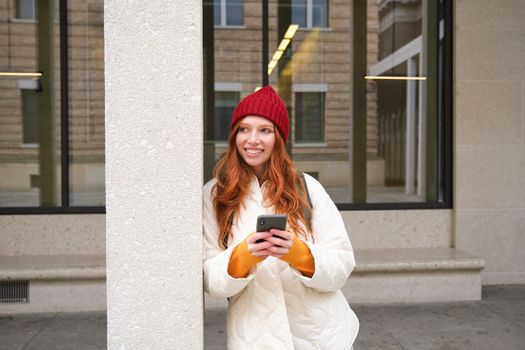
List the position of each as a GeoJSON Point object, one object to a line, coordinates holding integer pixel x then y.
{"type": "Point", "coordinates": [283, 286]}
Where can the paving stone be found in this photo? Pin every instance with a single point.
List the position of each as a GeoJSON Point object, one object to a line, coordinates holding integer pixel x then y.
{"type": "Point", "coordinates": [508, 338]}
{"type": "Point", "coordinates": [506, 292]}
{"type": "Point", "coordinates": [437, 317]}
{"type": "Point", "coordinates": [496, 322]}
{"type": "Point", "coordinates": [371, 335]}
{"type": "Point", "coordinates": [86, 331]}
{"type": "Point", "coordinates": [17, 330]}
{"type": "Point", "coordinates": [513, 310]}
{"type": "Point", "coordinates": [215, 329]}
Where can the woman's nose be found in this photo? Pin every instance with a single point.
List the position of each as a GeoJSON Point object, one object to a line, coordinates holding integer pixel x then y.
{"type": "Point", "coordinates": [253, 137]}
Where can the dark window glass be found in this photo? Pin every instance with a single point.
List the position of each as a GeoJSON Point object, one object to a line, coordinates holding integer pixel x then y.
{"type": "Point", "coordinates": [320, 13]}
{"type": "Point", "coordinates": [299, 12]}
{"type": "Point", "coordinates": [217, 12]}
{"type": "Point", "coordinates": [25, 9]}
{"type": "Point", "coordinates": [309, 117]}
{"type": "Point", "coordinates": [308, 14]}
{"type": "Point", "coordinates": [234, 12]}
{"type": "Point", "coordinates": [29, 116]}
{"type": "Point", "coordinates": [225, 102]}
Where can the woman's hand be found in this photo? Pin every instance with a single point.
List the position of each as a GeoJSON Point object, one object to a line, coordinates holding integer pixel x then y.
{"type": "Point", "coordinates": [258, 245]}
{"type": "Point", "coordinates": [281, 242]}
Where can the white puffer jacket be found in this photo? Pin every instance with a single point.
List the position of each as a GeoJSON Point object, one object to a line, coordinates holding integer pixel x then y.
{"type": "Point", "coordinates": [276, 307]}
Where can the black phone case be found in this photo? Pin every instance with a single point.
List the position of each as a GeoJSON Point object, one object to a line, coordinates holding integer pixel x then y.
{"type": "Point", "coordinates": [267, 222]}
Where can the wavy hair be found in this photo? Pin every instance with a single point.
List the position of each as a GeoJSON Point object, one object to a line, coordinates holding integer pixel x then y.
{"type": "Point", "coordinates": [285, 190]}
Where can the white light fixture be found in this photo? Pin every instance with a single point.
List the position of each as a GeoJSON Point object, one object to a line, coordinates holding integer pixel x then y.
{"type": "Point", "coordinates": [392, 77]}
{"type": "Point", "coordinates": [35, 75]}
{"type": "Point", "coordinates": [277, 55]}
{"type": "Point", "coordinates": [283, 45]}
{"type": "Point", "coordinates": [292, 28]}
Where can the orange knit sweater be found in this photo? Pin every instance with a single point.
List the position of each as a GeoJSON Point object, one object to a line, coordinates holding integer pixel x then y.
{"type": "Point", "coordinates": [299, 256]}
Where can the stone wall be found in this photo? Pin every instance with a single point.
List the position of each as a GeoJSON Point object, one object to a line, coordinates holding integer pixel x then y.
{"type": "Point", "coordinates": [489, 141]}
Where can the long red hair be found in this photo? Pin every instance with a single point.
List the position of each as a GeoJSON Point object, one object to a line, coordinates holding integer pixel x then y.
{"type": "Point", "coordinates": [285, 190]}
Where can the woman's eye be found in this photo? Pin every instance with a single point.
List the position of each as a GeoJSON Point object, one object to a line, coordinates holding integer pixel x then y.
{"type": "Point", "coordinates": [266, 131]}
{"type": "Point", "coordinates": [243, 129]}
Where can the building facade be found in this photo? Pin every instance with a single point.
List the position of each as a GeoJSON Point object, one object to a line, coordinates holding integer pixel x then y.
{"type": "Point", "coordinates": [379, 146]}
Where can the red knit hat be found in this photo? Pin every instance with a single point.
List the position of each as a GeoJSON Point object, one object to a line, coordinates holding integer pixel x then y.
{"type": "Point", "coordinates": [267, 104]}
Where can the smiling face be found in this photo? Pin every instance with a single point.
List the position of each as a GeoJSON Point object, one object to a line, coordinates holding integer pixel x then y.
{"type": "Point", "coordinates": [255, 141]}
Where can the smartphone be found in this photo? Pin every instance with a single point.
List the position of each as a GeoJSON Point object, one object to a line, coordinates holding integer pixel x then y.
{"type": "Point", "coordinates": [267, 222]}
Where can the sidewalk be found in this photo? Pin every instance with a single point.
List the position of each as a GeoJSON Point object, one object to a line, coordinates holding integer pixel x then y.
{"type": "Point", "coordinates": [496, 322]}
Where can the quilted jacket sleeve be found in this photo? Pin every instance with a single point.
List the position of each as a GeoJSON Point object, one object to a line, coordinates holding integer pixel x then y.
{"type": "Point", "coordinates": [217, 281]}
{"type": "Point", "coordinates": [332, 251]}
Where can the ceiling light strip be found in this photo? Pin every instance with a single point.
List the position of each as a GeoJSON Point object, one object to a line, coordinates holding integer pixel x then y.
{"type": "Point", "coordinates": [21, 74]}
{"type": "Point", "coordinates": [290, 32]}
{"type": "Point", "coordinates": [392, 77]}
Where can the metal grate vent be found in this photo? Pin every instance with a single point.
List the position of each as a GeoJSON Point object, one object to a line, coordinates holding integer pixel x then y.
{"type": "Point", "coordinates": [14, 292]}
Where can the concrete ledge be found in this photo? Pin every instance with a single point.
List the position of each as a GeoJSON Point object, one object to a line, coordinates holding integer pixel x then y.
{"type": "Point", "coordinates": [408, 275]}
{"type": "Point", "coordinates": [57, 283]}
{"type": "Point", "coordinates": [61, 296]}
{"type": "Point", "coordinates": [49, 267]}
{"type": "Point", "coordinates": [414, 275]}
{"type": "Point", "coordinates": [77, 283]}
{"type": "Point", "coordinates": [414, 259]}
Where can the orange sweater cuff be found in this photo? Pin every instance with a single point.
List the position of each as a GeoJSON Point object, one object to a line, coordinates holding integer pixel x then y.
{"type": "Point", "coordinates": [242, 261]}
{"type": "Point", "coordinates": [300, 257]}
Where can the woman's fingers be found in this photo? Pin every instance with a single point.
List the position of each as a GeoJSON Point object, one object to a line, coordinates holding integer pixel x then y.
{"type": "Point", "coordinates": [281, 238]}
{"type": "Point", "coordinates": [282, 242]}
{"type": "Point", "coordinates": [258, 245]}
{"type": "Point", "coordinates": [262, 253]}
{"type": "Point", "coordinates": [258, 237]}
{"type": "Point", "coordinates": [281, 234]}
{"type": "Point", "coordinates": [275, 243]}
{"type": "Point", "coordinates": [277, 251]}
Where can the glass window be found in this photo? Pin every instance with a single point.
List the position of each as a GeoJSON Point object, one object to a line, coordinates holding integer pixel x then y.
{"type": "Point", "coordinates": [86, 103]}
{"type": "Point", "coordinates": [29, 116]}
{"type": "Point", "coordinates": [234, 12]}
{"type": "Point", "coordinates": [25, 9]}
{"type": "Point", "coordinates": [299, 13]}
{"type": "Point", "coordinates": [30, 134]}
{"type": "Point", "coordinates": [225, 102]}
{"type": "Point", "coordinates": [228, 12]}
{"type": "Point", "coordinates": [232, 70]}
{"type": "Point", "coordinates": [309, 117]}
{"type": "Point", "coordinates": [217, 12]}
{"type": "Point", "coordinates": [39, 166]}
{"type": "Point", "coordinates": [375, 135]}
{"type": "Point", "coordinates": [320, 13]}
{"type": "Point", "coordinates": [310, 13]}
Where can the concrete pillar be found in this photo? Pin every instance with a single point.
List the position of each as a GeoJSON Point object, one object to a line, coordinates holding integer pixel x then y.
{"type": "Point", "coordinates": [153, 87]}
